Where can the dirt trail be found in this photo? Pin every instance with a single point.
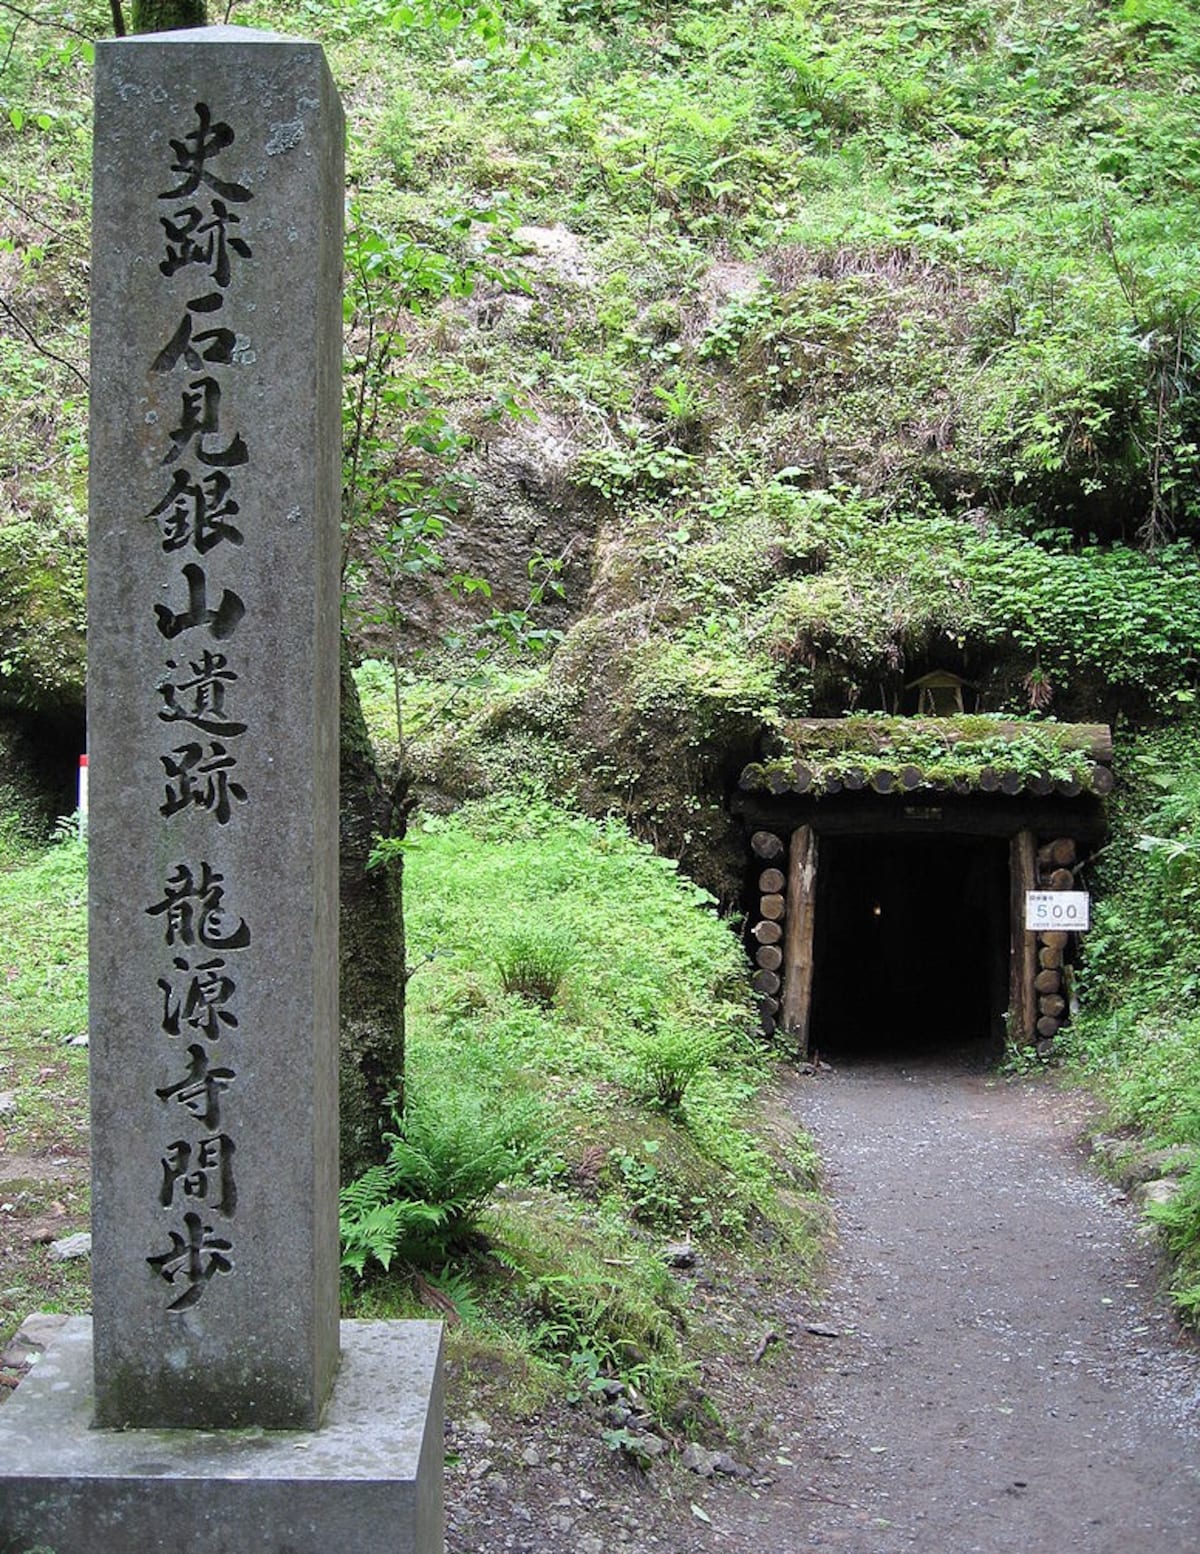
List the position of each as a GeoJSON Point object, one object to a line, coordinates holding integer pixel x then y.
{"type": "Point", "coordinates": [1005, 1379]}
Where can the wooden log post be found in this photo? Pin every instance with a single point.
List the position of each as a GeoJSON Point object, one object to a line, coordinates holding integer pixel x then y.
{"type": "Point", "coordinates": [765, 844]}
{"type": "Point", "coordinates": [1022, 997]}
{"type": "Point", "coordinates": [796, 1005]}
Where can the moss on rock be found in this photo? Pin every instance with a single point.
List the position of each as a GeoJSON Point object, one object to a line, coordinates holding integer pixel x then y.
{"type": "Point", "coordinates": [43, 614]}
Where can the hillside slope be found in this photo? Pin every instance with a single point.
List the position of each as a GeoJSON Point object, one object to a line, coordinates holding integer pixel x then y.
{"type": "Point", "coordinates": [820, 345]}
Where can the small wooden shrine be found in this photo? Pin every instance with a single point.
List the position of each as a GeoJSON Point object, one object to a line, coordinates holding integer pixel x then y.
{"type": "Point", "coordinates": [1016, 804]}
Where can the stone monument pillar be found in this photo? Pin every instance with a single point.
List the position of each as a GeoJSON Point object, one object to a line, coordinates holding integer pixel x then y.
{"type": "Point", "coordinates": [214, 597]}
{"type": "Point", "coordinates": [213, 579]}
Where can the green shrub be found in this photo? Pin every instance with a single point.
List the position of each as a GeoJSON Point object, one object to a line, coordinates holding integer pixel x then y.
{"type": "Point", "coordinates": [1179, 1221]}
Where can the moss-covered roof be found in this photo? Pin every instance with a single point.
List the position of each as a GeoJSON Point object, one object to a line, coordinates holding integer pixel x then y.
{"type": "Point", "coordinates": [962, 754]}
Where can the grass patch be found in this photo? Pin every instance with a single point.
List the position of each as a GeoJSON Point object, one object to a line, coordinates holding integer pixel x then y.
{"type": "Point", "coordinates": [43, 998]}
{"type": "Point", "coordinates": [32, 1212]}
{"type": "Point", "coordinates": [640, 1067]}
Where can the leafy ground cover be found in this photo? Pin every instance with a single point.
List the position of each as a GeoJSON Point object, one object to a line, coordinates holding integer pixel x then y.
{"type": "Point", "coordinates": [1139, 1035]}
{"type": "Point", "coordinates": [581, 1094]}
{"type": "Point", "coordinates": [575, 1000]}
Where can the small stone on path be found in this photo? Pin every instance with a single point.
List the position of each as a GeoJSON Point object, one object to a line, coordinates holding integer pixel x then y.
{"type": "Point", "coordinates": [697, 1460]}
{"type": "Point", "coordinates": [70, 1247]}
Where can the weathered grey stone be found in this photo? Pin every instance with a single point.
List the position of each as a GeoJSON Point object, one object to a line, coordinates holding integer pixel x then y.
{"type": "Point", "coordinates": [8, 1102]}
{"type": "Point", "coordinates": [729, 1466]}
{"type": "Point", "coordinates": [1150, 1164]}
{"type": "Point", "coordinates": [39, 1329]}
{"type": "Point", "coordinates": [213, 687]}
{"type": "Point", "coordinates": [67, 1248]}
{"type": "Point", "coordinates": [191, 1423]}
{"type": "Point", "coordinates": [367, 1482]}
{"type": "Point", "coordinates": [698, 1460]}
{"type": "Point", "coordinates": [1157, 1193]}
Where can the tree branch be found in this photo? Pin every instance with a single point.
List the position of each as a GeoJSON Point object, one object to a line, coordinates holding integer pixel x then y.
{"type": "Point", "coordinates": [45, 21]}
{"type": "Point", "coordinates": [25, 329]}
{"type": "Point", "coordinates": [41, 221]}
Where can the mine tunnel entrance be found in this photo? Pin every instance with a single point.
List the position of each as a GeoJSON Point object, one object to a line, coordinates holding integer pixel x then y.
{"type": "Point", "coordinates": [897, 905]}
{"type": "Point", "coordinates": [911, 944]}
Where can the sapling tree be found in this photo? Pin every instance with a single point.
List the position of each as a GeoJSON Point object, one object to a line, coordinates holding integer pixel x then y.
{"type": "Point", "coordinates": [403, 489]}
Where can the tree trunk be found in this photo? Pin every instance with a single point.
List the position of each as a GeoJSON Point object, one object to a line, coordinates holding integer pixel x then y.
{"type": "Point", "coordinates": [168, 15]}
{"type": "Point", "coordinates": [372, 943]}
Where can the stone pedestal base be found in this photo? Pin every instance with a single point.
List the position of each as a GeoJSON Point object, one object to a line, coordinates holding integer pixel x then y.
{"type": "Point", "coordinates": [369, 1481]}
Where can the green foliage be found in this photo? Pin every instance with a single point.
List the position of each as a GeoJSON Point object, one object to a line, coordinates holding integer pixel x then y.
{"type": "Point", "coordinates": [533, 959]}
{"type": "Point", "coordinates": [1139, 1034]}
{"type": "Point", "coordinates": [653, 1198]}
{"type": "Point", "coordinates": [1179, 1221]}
{"type": "Point", "coordinates": [1118, 622]}
{"type": "Point", "coordinates": [43, 928]}
{"type": "Point", "coordinates": [593, 1301]}
{"type": "Point", "coordinates": [42, 612]}
{"type": "Point", "coordinates": [449, 1152]}
{"type": "Point", "coordinates": [667, 1056]}
{"type": "Point", "coordinates": [643, 938]}
{"type": "Point", "coordinates": [401, 449]}
{"type": "Point", "coordinates": [1141, 950]}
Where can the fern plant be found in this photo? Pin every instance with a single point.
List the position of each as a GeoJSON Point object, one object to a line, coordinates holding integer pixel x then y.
{"type": "Point", "coordinates": [667, 1057]}
{"type": "Point", "coordinates": [534, 960]}
{"type": "Point", "coordinates": [448, 1154]}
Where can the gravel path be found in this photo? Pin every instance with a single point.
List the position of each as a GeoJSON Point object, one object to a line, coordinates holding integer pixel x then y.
{"type": "Point", "coordinates": [1004, 1379]}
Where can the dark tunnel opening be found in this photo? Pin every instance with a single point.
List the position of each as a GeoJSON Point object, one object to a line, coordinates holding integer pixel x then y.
{"type": "Point", "coordinates": [39, 766]}
{"type": "Point", "coordinates": [911, 945]}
